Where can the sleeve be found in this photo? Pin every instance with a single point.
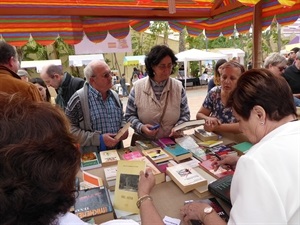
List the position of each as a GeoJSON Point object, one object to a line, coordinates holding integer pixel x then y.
{"type": "Point", "coordinates": [208, 101]}
{"type": "Point", "coordinates": [184, 108]}
{"type": "Point", "coordinates": [74, 112]}
{"type": "Point", "coordinates": [254, 196]}
{"type": "Point", "coordinates": [131, 113]}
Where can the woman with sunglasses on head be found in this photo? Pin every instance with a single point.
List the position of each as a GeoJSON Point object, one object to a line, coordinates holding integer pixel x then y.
{"type": "Point", "coordinates": [277, 64]}
{"type": "Point", "coordinates": [157, 99]}
{"type": "Point", "coordinates": [217, 115]}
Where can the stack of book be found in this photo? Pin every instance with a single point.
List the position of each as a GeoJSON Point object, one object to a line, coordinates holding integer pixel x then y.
{"type": "Point", "coordinates": [90, 160]}
{"type": "Point", "coordinates": [242, 147]}
{"type": "Point", "coordinates": [204, 135]}
{"type": "Point", "coordinates": [109, 157]}
{"type": "Point", "coordinates": [158, 155]}
{"type": "Point", "coordinates": [110, 174]}
{"type": "Point", "coordinates": [178, 153]}
{"type": "Point", "coordinates": [185, 177]}
{"type": "Point", "coordinates": [96, 203]}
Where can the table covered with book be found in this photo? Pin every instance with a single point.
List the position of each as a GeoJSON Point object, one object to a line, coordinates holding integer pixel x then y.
{"type": "Point", "coordinates": [181, 177]}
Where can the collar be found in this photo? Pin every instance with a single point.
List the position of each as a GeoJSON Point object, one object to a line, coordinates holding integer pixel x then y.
{"type": "Point", "coordinates": [9, 72]}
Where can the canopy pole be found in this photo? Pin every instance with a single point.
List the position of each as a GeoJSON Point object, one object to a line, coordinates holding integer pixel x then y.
{"type": "Point", "coordinates": [257, 34]}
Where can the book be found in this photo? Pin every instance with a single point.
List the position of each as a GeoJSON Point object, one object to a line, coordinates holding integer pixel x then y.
{"type": "Point", "coordinates": [94, 202]}
{"type": "Point", "coordinates": [159, 175]}
{"type": "Point", "coordinates": [207, 167]}
{"type": "Point", "coordinates": [122, 130]}
{"type": "Point", "coordinates": [126, 196]}
{"type": "Point", "coordinates": [109, 157]}
{"type": "Point", "coordinates": [242, 147]}
{"type": "Point", "coordinates": [189, 125]}
{"type": "Point", "coordinates": [178, 153]}
{"type": "Point", "coordinates": [221, 188]}
{"type": "Point", "coordinates": [210, 143]}
{"type": "Point", "coordinates": [204, 135]}
{"type": "Point", "coordinates": [90, 181]}
{"type": "Point", "coordinates": [90, 160]}
{"type": "Point", "coordinates": [132, 155]}
{"type": "Point", "coordinates": [213, 202]}
{"type": "Point", "coordinates": [158, 155]}
{"type": "Point", "coordinates": [164, 142]}
{"type": "Point", "coordinates": [145, 144]}
{"type": "Point", "coordinates": [185, 177]}
{"type": "Point", "coordinates": [110, 174]}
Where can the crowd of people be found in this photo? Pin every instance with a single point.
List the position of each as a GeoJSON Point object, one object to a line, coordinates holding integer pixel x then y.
{"type": "Point", "coordinates": [41, 142]}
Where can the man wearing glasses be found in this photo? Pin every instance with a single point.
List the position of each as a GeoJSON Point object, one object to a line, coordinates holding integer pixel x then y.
{"type": "Point", "coordinates": [292, 76]}
{"type": "Point", "coordinates": [95, 111]}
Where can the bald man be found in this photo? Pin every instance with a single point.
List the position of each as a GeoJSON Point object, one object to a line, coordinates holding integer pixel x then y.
{"type": "Point", "coordinates": [95, 111]}
{"type": "Point", "coordinates": [64, 83]}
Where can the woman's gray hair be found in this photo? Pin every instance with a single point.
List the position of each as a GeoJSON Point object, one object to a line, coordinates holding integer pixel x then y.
{"type": "Point", "coordinates": [274, 59]}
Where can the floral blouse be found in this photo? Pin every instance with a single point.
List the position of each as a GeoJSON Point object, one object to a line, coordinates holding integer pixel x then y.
{"type": "Point", "coordinates": [213, 103]}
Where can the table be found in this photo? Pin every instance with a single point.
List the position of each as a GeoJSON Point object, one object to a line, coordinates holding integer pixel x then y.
{"type": "Point", "coordinates": [194, 80]}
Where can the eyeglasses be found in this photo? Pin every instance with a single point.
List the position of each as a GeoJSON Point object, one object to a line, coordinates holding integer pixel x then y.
{"type": "Point", "coordinates": [163, 66]}
{"type": "Point", "coordinates": [281, 68]}
{"type": "Point", "coordinates": [105, 75]}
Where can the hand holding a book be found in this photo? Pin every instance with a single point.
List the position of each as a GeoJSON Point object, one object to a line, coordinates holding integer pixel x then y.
{"type": "Point", "coordinates": [211, 123]}
{"type": "Point", "coordinates": [146, 182]}
{"type": "Point", "coordinates": [109, 140]}
{"type": "Point", "coordinates": [226, 162]}
{"type": "Point", "coordinates": [147, 129]}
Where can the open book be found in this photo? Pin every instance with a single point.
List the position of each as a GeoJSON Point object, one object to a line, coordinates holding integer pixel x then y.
{"type": "Point", "coordinates": [189, 125]}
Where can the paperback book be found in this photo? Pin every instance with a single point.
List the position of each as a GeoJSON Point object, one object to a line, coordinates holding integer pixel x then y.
{"type": "Point", "coordinates": [210, 143]}
{"type": "Point", "coordinates": [158, 155]}
{"type": "Point", "coordinates": [242, 148]}
{"type": "Point", "coordinates": [94, 202]}
{"type": "Point", "coordinates": [109, 157]}
{"type": "Point", "coordinates": [90, 181]}
{"type": "Point", "coordinates": [189, 125]}
{"type": "Point", "coordinates": [204, 135]}
{"type": "Point", "coordinates": [185, 177]}
{"type": "Point", "coordinates": [126, 196]}
{"type": "Point", "coordinates": [206, 165]}
{"type": "Point", "coordinates": [145, 144]}
{"type": "Point", "coordinates": [221, 188]}
{"type": "Point", "coordinates": [122, 130]}
{"type": "Point", "coordinates": [90, 160]}
{"type": "Point", "coordinates": [178, 153]}
{"type": "Point", "coordinates": [110, 174]}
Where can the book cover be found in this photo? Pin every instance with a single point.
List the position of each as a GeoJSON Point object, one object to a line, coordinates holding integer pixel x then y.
{"type": "Point", "coordinates": [90, 160]}
{"type": "Point", "coordinates": [132, 155]}
{"type": "Point", "coordinates": [242, 147]}
{"type": "Point", "coordinates": [93, 202]}
{"type": "Point", "coordinates": [110, 174]}
{"type": "Point", "coordinates": [207, 167]}
{"type": "Point", "coordinates": [163, 142]}
{"type": "Point", "coordinates": [159, 176]}
{"type": "Point", "coordinates": [210, 143]}
{"type": "Point", "coordinates": [126, 196]}
{"type": "Point", "coordinates": [189, 125]}
{"type": "Point", "coordinates": [204, 135]}
{"type": "Point", "coordinates": [213, 202]}
{"type": "Point", "coordinates": [221, 188]}
{"type": "Point", "coordinates": [122, 130]}
{"type": "Point", "coordinates": [90, 181]}
{"type": "Point", "coordinates": [178, 153]}
{"type": "Point", "coordinates": [145, 144]}
{"type": "Point", "coordinates": [109, 157]}
{"type": "Point", "coordinates": [158, 155]}
{"type": "Point", "coordinates": [186, 178]}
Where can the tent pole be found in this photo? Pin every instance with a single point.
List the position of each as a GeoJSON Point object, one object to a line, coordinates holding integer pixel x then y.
{"type": "Point", "coordinates": [257, 30]}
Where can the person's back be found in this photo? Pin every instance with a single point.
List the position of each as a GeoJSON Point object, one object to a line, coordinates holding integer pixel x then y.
{"type": "Point", "coordinates": [10, 82]}
{"type": "Point", "coordinates": [39, 160]}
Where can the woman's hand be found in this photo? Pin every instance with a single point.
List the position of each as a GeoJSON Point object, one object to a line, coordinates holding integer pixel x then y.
{"type": "Point", "coordinates": [227, 162]}
{"type": "Point", "coordinates": [146, 182]}
{"type": "Point", "coordinates": [193, 211]}
{"type": "Point", "coordinates": [146, 129]}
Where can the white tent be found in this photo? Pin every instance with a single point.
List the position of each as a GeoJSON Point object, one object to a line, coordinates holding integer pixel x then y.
{"type": "Point", "coordinates": [197, 55]}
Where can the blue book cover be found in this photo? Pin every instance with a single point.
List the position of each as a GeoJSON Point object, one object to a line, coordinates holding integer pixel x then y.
{"type": "Point", "coordinates": [176, 150]}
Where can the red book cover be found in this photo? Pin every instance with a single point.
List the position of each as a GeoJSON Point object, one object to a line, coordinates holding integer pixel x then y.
{"type": "Point", "coordinates": [206, 166]}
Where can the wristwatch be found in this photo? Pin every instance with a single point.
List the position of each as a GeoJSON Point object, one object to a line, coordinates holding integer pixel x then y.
{"type": "Point", "coordinates": [207, 211]}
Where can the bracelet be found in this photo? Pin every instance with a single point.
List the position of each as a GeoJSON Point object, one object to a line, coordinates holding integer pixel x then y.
{"type": "Point", "coordinates": [141, 199]}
